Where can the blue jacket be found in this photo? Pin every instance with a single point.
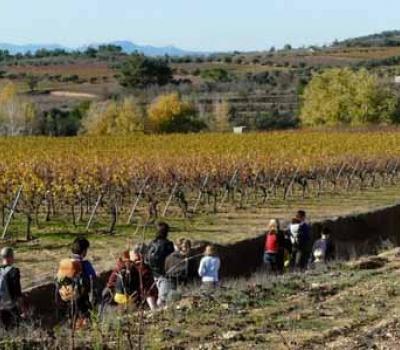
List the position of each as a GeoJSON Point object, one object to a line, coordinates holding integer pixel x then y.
{"type": "Point", "coordinates": [209, 269]}
{"type": "Point", "coordinates": [88, 271]}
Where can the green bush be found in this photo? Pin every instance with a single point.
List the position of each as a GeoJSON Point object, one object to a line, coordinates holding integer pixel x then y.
{"type": "Point", "coordinates": [139, 71]}
{"type": "Point", "coordinates": [346, 97]}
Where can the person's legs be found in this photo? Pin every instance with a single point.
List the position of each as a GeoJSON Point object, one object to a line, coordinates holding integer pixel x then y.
{"type": "Point", "coordinates": [299, 257]}
{"type": "Point", "coordinates": [208, 288]}
{"type": "Point", "coordinates": [293, 259]}
{"type": "Point", "coordinates": [82, 312]}
{"type": "Point", "coordinates": [280, 261]}
{"type": "Point", "coordinates": [9, 318]}
{"type": "Point", "coordinates": [152, 303]}
{"type": "Point", "coordinates": [304, 259]}
{"type": "Point", "coordinates": [270, 261]}
{"type": "Point", "coordinates": [273, 261]}
{"type": "Point", "coordinates": [163, 290]}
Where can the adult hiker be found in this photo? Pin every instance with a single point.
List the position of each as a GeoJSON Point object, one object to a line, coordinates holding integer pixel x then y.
{"type": "Point", "coordinates": [132, 282]}
{"type": "Point", "coordinates": [179, 267]}
{"type": "Point", "coordinates": [274, 247]}
{"type": "Point", "coordinates": [158, 251]}
{"type": "Point", "coordinates": [302, 242]}
{"type": "Point", "coordinates": [209, 267]}
{"type": "Point", "coordinates": [323, 249]}
{"type": "Point", "coordinates": [76, 283]}
{"type": "Point", "coordinates": [11, 302]}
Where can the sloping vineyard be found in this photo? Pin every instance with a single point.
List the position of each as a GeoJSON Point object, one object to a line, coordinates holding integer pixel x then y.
{"type": "Point", "coordinates": [147, 177]}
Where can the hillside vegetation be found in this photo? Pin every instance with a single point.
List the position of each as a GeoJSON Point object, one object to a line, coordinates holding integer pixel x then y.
{"type": "Point", "coordinates": [259, 90]}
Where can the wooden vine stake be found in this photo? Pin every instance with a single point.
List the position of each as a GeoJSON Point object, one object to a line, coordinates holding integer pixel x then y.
{"type": "Point", "coordinates": [139, 195]}
{"type": "Point", "coordinates": [99, 198]}
{"type": "Point", "coordinates": [231, 183]}
{"type": "Point", "coordinates": [12, 211]}
{"type": "Point", "coordinates": [170, 199]}
{"type": "Point", "coordinates": [203, 186]}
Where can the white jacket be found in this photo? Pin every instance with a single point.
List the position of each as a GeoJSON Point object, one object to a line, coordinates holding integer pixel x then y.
{"type": "Point", "coordinates": [294, 230]}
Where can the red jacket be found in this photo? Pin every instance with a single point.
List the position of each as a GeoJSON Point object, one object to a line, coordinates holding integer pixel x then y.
{"type": "Point", "coordinates": [149, 286]}
{"type": "Point", "coordinates": [271, 242]}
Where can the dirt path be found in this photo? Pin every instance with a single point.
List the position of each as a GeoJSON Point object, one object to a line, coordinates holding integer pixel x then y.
{"type": "Point", "coordinates": [73, 94]}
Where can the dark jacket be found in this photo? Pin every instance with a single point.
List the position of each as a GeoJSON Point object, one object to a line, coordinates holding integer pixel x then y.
{"type": "Point", "coordinates": [304, 237]}
{"type": "Point", "coordinates": [180, 267]}
{"type": "Point", "coordinates": [13, 280]}
{"type": "Point", "coordinates": [157, 253]}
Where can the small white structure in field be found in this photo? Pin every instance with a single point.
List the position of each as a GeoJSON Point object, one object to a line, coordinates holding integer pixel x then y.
{"type": "Point", "coordinates": [397, 79]}
{"type": "Point", "coordinates": [239, 129]}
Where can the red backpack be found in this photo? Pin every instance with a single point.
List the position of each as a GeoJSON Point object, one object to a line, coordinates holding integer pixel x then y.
{"type": "Point", "coordinates": [271, 242]}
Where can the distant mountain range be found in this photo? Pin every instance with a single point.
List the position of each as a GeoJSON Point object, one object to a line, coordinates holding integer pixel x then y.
{"type": "Point", "coordinates": [127, 47]}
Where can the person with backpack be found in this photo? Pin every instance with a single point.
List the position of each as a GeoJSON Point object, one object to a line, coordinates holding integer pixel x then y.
{"type": "Point", "coordinates": [301, 242]}
{"type": "Point", "coordinates": [11, 302]}
{"type": "Point", "coordinates": [76, 280]}
{"type": "Point", "coordinates": [209, 268]}
{"type": "Point", "coordinates": [273, 247]}
{"type": "Point", "coordinates": [179, 266]}
{"type": "Point", "coordinates": [132, 282]}
{"type": "Point", "coordinates": [158, 251]}
{"type": "Point", "coordinates": [323, 249]}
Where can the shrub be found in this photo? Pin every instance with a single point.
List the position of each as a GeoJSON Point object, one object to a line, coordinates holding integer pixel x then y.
{"type": "Point", "coordinates": [113, 118]}
{"type": "Point", "coordinates": [139, 71]}
{"type": "Point", "coordinates": [275, 120]}
{"type": "Point", "coordinates": [169, 114]}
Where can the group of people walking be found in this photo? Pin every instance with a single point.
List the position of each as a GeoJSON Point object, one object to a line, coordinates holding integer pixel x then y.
{"type": "Point", "coordinates": [143, 275]}
{"type": "Point", "coordinates": [293, 248]}
{"type": "Point", "coordinates": [152, 274]}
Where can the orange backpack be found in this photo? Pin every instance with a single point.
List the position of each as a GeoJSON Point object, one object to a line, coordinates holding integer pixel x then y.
{"type": "Point", "coordinates": [69, 279]}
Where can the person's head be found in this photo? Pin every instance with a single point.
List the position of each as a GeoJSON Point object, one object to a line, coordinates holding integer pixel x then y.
{"type": "Point", "coordinates": [210, 250]}
{"type": "Point", "coordinates": [137, 252]}
{"type": "Point", "coordinates": [162, 230]}
{"type": "Point", "coordinates": [325, 233]}
{"type": "Point", "coordinates": [178, 243]}
{"type": "Point", "coordinates": [7, 256]}
{"type": "Point", "coordinates": [80, 247]}
{"type": "Point", "coordinates": [125, 257]}
{"type": "Point", "coordinates": [301, 215]}
{"type": "Point", "coordinates": [185, 246]}
{"type": "Point", "coordinates": [273, 225]}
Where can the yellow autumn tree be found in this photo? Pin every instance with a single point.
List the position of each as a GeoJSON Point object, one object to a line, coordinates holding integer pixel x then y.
{"type": "Point", "coordinates": [113, 118]}
{"type": "Point", "coordinates": [169, 114]}
{"type": "Point", "coordinates": [17, 115]}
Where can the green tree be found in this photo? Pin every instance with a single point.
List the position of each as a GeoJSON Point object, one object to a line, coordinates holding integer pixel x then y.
{"type": "Point", "coordinates": [344, 97]}
{"type": "Point", "coordinates": [113, 118]}
{"type": "Point", "coordinates": [139, 71]}
{"type": "Point", "coordinates": [33, 82]}
{"type": "Point", "coordinates": [216, 74]}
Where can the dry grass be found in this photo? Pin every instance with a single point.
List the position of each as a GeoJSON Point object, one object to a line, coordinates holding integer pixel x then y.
{"type": "Point", "coordinates": [339, 308]}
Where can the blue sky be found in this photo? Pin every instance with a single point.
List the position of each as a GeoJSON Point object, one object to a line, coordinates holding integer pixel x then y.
{"type": "Point", "coordinates": [194, 24]}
